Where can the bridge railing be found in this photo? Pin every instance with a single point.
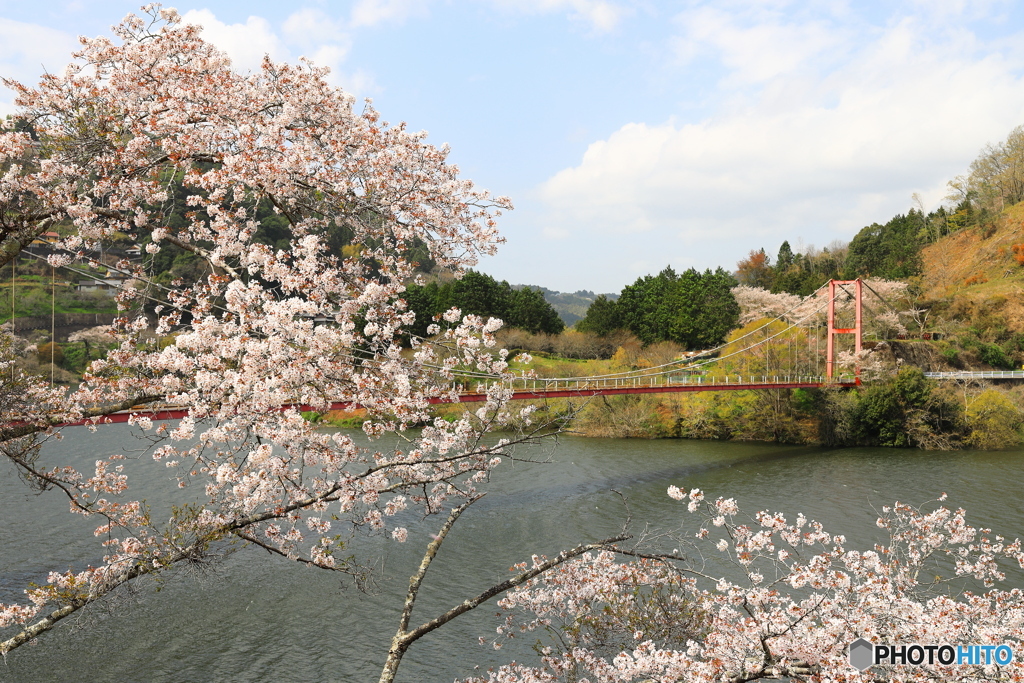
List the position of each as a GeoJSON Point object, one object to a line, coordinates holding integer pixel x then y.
{"type": "Point", "coordinates": [983, 374]}
{"type": "Point", "coordinates": [542, 385]}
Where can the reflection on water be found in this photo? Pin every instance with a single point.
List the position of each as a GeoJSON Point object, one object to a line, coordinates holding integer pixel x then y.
{"type": "Point", "coordinates": [253, 617]}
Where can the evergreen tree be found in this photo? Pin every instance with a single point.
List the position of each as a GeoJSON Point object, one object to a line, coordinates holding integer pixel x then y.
{"type": "Point", "coordinates": [694, 309]}
{"type": "Point", "coordinates": [891, 251]}
{"type": "Point", "coordinates": [529, 311]}
{"type": "Point", "coordinates": [480, 294]}
{"type": "Point", "coordinates": [602, 317]}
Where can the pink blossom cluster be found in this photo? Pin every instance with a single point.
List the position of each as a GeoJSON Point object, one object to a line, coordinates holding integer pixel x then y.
{"type": "Point", "coordinates": [764, 598]}
{"type": "Point", "coordinates": [888, 303]}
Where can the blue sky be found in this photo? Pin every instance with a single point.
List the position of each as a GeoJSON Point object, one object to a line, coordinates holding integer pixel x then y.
{"type": "Point", "coordinates": [635, 135]}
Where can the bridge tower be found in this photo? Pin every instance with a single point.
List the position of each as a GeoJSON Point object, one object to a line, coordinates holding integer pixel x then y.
{"type": "Point", "coordinates": [834, 286]}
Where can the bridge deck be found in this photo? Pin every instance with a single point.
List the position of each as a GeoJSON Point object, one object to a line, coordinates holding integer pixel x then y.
{"type": "Point", "coordinates": [581, 388]}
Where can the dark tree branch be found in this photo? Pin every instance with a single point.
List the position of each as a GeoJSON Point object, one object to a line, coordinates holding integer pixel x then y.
{"type": "Point", "coordinates": [403, 638]}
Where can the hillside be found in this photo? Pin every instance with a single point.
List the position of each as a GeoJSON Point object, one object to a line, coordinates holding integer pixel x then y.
{"type": "Point", "coordinates": [570, 306]}
{"type": "Point", "coordinates": [975, 273]}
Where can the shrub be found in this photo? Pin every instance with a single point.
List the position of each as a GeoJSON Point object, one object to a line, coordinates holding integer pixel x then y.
{"type": "Point", "coordinates": [977, 279]}
{"type": "Point", "coordinates": [994, 421]}
{"type": "Point", "coordinates": [74, 358]}
{"type": "Point", "coordinates": [50, 351]}
{"type": "Point", "coordinates": [993, 354]}
{"type": "Point", "coordinates": [1018, 253]}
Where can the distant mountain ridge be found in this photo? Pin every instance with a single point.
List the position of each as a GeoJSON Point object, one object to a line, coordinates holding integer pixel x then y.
{"type": "Point", "coordinates": [569, 306]}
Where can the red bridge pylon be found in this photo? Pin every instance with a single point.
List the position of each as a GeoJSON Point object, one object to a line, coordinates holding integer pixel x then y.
{"type": "Point", "coordinates": [833, 330]}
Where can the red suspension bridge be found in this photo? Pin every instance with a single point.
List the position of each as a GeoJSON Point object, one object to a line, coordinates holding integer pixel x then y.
{"type": "Point", "coordinates": [802, 348]}
{"type": "Point", "coordinates": [783, 352]}
{"type": "Point", "coordinates": [818, 342]}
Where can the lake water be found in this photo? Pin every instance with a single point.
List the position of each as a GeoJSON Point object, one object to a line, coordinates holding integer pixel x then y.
{"type": "Point", "coordinates": [253, 617]}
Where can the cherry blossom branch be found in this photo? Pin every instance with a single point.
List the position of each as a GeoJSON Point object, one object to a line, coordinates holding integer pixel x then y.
{"type": "Point", "coordinates": [14, 241]}
{"type": "Point", "coordinates": [155, 124]}
{"type": "Point", "coordinates": [10, 431]}
{"type": "Point", "coordinates": [249, 538]}
{"type": "Point", "coordinates": [206, 254]}
{"type": "Point", "coordinates": [97, 591]}
{"type": "Point", "coordinates": [404, 638]}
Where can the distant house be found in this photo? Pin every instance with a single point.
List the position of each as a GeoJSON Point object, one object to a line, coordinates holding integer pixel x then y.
{"type": "Point", "coordinates": [46, 238]}
{"type": "Point", "coordinates": [133, 251]}
{"type": "Point", "coordinates": [110, 286]}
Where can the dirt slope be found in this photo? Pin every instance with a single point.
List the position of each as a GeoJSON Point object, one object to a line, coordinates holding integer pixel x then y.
{"type": "Point", "coordinates": [977, 273]}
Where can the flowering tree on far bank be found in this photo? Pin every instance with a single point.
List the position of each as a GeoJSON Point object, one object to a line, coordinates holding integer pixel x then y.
{"type": "Point", "coordinates": [885, 306]}
{"type": "Point", "coordinates": [885, 303]}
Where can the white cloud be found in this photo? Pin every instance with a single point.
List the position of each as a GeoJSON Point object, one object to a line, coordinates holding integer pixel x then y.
{"type": "Point", "coordinates": [373, 12]}
{"type": "Point", "coordinates": [307, 32]}
{"type": "Point", "coordinates": [246, 43]}
{"type": "Point", "coordinates": [600, 15]}
{"type": "Point", "coordinates": [29, 50]}
{"type": "Point", "coordinates": [759, 52]}
{"type": "Point", "coordinates": [310, 27]}
{"type": "Point", "coordinates": [816, 156]}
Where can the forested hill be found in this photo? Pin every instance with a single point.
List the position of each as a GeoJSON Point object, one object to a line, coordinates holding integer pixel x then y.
{"type": "Point", "coordinates": [570, 306]}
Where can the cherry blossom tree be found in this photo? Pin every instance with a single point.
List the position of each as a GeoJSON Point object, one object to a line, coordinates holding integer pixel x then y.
{"type": "Point", "coordinates": [111, 145]}
{"type": "Point", "coordinates": [767, 597]}
{"type": "Point", "coordinates": [885, 305]}
{"type": "Point", "coordinates": [98, 336]}
{"type": "Point", "coordinates": [885, 302]}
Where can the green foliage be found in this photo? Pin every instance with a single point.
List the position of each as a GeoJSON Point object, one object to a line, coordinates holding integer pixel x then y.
{"type": "Point", "coordinates": [994, 421]}
{"type": "Point", "coordinates": [480, 294]}
{"type": "Point", "coordinates": [527, 310]}
{"type": "Point", "coordinates": [891, 251]}
{"type": "Point", "coordinates": [349, 422]}
{"type": "Point", "coordinates": [75, 358]}
{"type": "Point", "coordinates": [993, 355]}
{"type": "Point", "coordinates": [623, 417]}
{"type": "Point", "coordinates": [785, 257]}
{"type": "Point", "coordinates": [792, 272]}
{"type": "Point", "coordinates": [422, 300]}
{"type": "Point", "coordinates": [704, 308]}
{"type": "Point", "coordinates": [695, 310]}
{"type": "Point", "coordinates": [951, 354]}
{"type": "Point", "coordinates": [476, 293]}
{"type": "Point", "coordinates": [905, 411]}
{"type": "Point", "coordinates": [602, 317]}
{"type": "Point", "coordinates": [806, 400]}
{"type": "Point", "coordinates": [33, 298]}
{"type": "Point", "coordinates": [998, 355]}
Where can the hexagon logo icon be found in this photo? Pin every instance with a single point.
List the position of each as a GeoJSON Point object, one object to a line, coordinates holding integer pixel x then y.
{"type": "Point", "coordinates": [861, 654]}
